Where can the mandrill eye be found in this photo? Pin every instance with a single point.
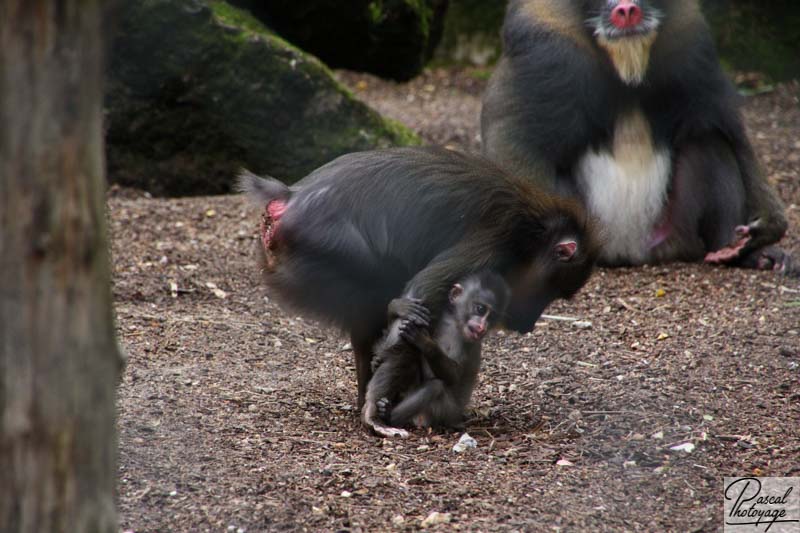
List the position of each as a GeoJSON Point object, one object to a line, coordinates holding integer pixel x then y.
{"type": "Point", "coordinates": [480, 309]}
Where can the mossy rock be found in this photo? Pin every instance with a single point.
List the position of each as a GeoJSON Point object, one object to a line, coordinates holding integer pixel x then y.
{"type": "Point", "coordinates": [199, 89]}
{"type": "Point", "coordinates": [472, 33]}
{"type": "Point", "coordinates": [390, 38]}
{"type": "Point", "coordinates": [758, 36]}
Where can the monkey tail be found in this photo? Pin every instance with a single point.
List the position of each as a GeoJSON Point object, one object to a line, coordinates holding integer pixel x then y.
{"type": "Point", "coordinates": [260, 190]}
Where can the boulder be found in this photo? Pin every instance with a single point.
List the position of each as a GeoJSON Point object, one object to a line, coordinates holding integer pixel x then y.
{"type": "Point", "coordinates": [198, 89]}
{"type": "Point", "coordinates": [390, 38]}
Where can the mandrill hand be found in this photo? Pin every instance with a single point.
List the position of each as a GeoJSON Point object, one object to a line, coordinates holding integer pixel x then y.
{"type": "Point", "coordinates": [415, 335]}
{"type": "Point", "coordinates": [411, 309]}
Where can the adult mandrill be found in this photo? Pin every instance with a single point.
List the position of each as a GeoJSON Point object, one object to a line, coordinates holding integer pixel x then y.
{"type": "Point", "coordinates": [359, 231]}
{"type": "Point", "coordinates": [624, 104]}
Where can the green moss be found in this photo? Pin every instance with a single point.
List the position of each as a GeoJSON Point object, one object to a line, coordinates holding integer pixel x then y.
{"type": "Point", "coordinates": [238, 18]}
{"type": "Point", "coordinates": [419, 7]}
{"type": "Point", "coordinates": [248, 26]}
{"type": "Point", "coordinates": [424, 12]}
{"type": "Point", "coordinates": [472, 33]}
{"type": "Point", "coordinates": [241, 19]}
{"type": "Point", "coordinates": [375, 10]}
{"type": "Point", "coordinates": [402, 135]}
{"type": "Point", "coordinates": [479, 73]}
{"type": "Point", "coordinates": [752, 38]}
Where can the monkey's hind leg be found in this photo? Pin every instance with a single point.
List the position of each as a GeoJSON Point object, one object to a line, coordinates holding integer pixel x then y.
{"type": "Point", "coordinates": [372, 418]}
{"type": "Point", "coordinates": [384, 381]}
{"type": "Point", "coordinates": [709, 170]}
{"type": "Point", "coordinates": [419, 404]}
{"type": "Point", "coordinates": [363, 344]}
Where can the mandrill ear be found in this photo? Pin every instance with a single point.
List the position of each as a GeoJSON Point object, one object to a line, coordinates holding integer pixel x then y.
{"type": "Point", "coordinates": [455, 292]}
{"type": "Point", "coordinates": [565, 251]}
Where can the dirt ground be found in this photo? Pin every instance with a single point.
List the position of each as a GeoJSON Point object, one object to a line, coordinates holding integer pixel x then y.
{"type": "Point", "coordinates": [237, 416]}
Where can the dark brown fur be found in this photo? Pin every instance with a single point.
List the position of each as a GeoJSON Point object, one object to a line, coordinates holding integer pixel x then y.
{"type": "Point", "coordinates": [369, 226]}
{"type": "Point", "coordinates": [429, 378]}
{"type": "Point", "coordinates": [567, 81]}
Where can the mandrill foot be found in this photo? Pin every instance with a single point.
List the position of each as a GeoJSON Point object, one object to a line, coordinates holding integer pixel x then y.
{"type": "Point", "coordinates": [767, 258]}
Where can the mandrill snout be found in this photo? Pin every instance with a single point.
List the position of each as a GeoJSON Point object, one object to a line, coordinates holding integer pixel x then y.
{"type": "Point", "coordinates": [626, 15]}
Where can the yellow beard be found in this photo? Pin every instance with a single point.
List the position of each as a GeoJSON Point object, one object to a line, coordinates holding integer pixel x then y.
{"type": "Point", "coordinates": [630, 55]}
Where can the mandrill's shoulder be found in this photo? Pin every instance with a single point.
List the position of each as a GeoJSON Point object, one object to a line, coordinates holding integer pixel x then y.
{"type": "Point", "coordinates": [560, 19]}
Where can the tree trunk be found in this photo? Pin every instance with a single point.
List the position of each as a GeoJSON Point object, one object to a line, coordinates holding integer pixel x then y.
{"type": "Point", "coordinates": [59, 362]}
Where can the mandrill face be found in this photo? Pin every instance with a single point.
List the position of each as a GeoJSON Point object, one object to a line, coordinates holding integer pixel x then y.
{"type": "Point", "coordinates": [626, 30]}
{"type": "Point", "coordinates": [618, 19]}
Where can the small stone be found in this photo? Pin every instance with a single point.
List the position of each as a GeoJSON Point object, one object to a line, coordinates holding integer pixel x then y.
{"type": "Point", "coordinates": [346, 494]}
{"type": "Point", "coordinates": [686, 447]}
{"type": "Point", "coordinates": [219, 293]}
{"type": "Point", "coordinates": [436, 518]}
{"type": "Point", "coordinates": [398, 520]}
{"type": "Point", "coordinates": [465, 443]}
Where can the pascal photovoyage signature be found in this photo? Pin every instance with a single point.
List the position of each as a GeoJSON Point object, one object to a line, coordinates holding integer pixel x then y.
{"type": "Point", "coordinates": [752, 508]}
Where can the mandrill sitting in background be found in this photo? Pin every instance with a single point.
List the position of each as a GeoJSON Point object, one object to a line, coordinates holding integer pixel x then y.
{"type": "Point", "coordinates": [623, 104]}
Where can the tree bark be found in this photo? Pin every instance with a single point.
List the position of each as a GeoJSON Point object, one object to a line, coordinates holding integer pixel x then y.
{"type": "Point", "coordinates": [59, 361]}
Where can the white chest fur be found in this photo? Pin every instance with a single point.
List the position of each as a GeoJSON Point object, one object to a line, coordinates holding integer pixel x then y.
{"type": "Point", "coordinates": [625, 187]}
